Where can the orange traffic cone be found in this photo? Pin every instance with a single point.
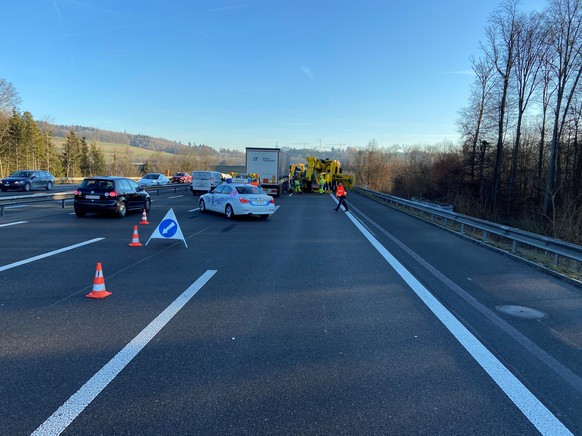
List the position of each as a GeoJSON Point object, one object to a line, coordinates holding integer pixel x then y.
{"type": "Point", "coordinates": [135, 238]}
{"type": "Point", "coordinates": [144, 218]}
{"type": "Point", "coordinates": [98, 285]}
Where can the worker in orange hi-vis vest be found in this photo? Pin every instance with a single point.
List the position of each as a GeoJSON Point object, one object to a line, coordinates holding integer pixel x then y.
{"type": "Point", "coordinates": [341, 194]}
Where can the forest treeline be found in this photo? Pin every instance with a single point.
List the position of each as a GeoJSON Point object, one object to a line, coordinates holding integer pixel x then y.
{"type": "Point", "coordinates": [518, 160]}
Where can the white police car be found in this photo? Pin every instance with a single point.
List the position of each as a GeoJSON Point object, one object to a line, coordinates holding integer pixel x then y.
{"type": "Point", "coordinates": [238, 199]}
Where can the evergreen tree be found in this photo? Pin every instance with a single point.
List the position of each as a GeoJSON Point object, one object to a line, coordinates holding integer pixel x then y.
{"type": "Point", "coordinates": [71, 155]}
{"type": "Point", "coordinates": [97, 160]}
{"type": "Point", "coordinates": [85, 158]}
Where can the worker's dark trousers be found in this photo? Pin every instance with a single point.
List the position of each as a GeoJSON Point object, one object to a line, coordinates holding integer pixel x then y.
{"type": "Point", "coordinates": [342, 200]}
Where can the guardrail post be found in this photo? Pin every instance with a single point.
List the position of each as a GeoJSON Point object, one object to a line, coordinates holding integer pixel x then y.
{"type": "Point", "coordinates": [514, 246]}
{"type": "Point", "coordinates": [63, 203]}
{"type": "Point", "coordinates": [556, 260]}
{"type": "Point", "coordinates": [2, 210]}
{"type": "Point", "coordinates": [484, 235]}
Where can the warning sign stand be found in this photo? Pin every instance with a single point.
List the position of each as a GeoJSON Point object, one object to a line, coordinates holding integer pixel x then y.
{"type": "Point", "coordinates": [168, 229]}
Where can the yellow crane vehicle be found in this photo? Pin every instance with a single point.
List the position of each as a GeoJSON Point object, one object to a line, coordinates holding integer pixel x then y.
{"type": "Point", "coordinates": [309, 176]}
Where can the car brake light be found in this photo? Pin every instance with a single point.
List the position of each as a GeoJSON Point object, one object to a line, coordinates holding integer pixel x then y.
{"type": "Point", "coordinates": [272, 201]}
{"type": "Point", "coordinates": [77, 193]}
{"type": "Point", "coordinates": [111, 194]}
{"type": "Point", "coordinates": [243, 200]}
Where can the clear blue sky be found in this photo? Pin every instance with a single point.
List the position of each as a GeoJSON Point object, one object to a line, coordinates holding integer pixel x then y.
{"type": "Point", "coordinates": [237, 73]}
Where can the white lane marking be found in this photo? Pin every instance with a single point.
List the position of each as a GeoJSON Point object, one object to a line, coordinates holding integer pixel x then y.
{"type": "Point", "coordinates": [50, 253]}
{"type": "Point", "coordinates": [65, 414]}
{"type": "Point", "coordinates": [530, 406]}
{"type": "Point", "coordinates": [194, 210]}
{"type": "Point", "coordinates": [13, 224]}
{"type": "Point", "coordinates": [176, 196]}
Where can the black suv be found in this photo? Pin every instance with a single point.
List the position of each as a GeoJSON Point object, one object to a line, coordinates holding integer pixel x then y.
{"type": "Point", "coordinates": [114, 195]}
{"type": "Point", "coordinates": [25, 180]}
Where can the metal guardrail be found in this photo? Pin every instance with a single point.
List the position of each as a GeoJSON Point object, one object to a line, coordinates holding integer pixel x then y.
{"type": "Point", "coordinates": [516, 237]}
{"type": "Point", "coordinates": [17, 200]}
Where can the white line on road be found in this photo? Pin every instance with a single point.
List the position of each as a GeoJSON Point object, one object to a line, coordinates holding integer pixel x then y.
{"type": "Point", "coordinates": [50, 253]}
{"type": "Point", "coordinates": [61, 419]}
{"type": "Point", "coordinates": [530, 406]}
{"type": "Point", "coordinates": [176, 196]}
{"type": "Point", "coordinates": [194, 210]}
{"type": "Point", "coordinates": [13, 224]}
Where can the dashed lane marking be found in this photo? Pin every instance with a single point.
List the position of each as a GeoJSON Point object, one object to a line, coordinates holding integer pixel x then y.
{"type": "Point", "coordinates": [50, 253]}
{"type": "Point", "coordinates": [63, 417]}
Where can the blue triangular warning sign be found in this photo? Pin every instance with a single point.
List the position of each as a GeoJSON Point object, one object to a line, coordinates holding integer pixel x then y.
{"type": "Point", "coordinates": [168, 229]}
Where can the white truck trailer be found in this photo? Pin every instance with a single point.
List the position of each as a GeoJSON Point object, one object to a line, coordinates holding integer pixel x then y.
{"type": "Point", "coordinates": [272, 166]}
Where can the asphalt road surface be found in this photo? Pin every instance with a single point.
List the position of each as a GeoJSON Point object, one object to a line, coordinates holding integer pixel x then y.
{"type": "Point", "coordinates": [310, 322]}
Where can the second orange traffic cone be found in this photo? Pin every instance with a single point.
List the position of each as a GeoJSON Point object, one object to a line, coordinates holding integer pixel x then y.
{"type": "Point", "coordinates": [135, 238]}
{"type": "Point", "coordinates": [144, 218]}
{"type": "Point", "coordinates": [98, 284]}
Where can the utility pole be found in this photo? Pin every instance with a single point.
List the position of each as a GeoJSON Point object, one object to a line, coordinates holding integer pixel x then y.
{"type": "Point", "coordinates": [317, 139]}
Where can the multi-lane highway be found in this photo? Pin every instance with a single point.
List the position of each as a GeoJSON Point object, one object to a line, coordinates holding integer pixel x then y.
{"type": "Point", "coordinates": [310, 322]}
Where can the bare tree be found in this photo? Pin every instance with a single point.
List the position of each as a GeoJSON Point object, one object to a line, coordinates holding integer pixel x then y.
{"type": "Point", "coordinates": [565, 27]}
{"type": "Point", "coordinates": [502, 35]}
{"type": "Point", "coordinates": [530, 45]}
{"type": "Point", "coordinates": [9, 98]}
{"type": "Point", "coordinates": [473, 116]}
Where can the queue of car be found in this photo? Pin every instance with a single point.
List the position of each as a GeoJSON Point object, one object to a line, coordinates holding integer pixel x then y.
{"type": "Point", "coordinates": [119, 195]}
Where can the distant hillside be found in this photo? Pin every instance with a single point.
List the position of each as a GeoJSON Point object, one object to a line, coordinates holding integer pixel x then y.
{"type": "Point", "coordinates": [134, 140]}
{"type": "Point", "coordinates": [122, 143]}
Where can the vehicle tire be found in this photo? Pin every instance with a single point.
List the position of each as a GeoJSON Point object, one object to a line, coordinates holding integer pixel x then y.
{"type": "Point", "coordinates": [27, 187]}
{"type": "Point", "coordinates": [80, 213]}
{"type": "Point", "coordinates": [228, 211]}
{"type": "Point", "coordinates": [49, 186]}
{"type": "Point", "coordinates": [122, 210]}
{"type": "Point", "coordinates": [264, 217]}
{"type": "Point", "coordinates": [202, 206]}
{"type": "Point", "coordinates": [148, 205]}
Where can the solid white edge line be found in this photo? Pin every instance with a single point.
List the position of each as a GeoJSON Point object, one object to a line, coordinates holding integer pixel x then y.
{"type": "Point", "coordinates": [13, 224]}
{"type": "Point", "coordinates": [526, 402]}
{"type": "Point", "coordinates": [50, 253]}
{"type": "Point", "coordinates": [65, 414]}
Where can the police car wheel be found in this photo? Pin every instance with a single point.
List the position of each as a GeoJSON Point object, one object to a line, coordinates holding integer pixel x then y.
{"type": "Point", "coordinates": [228, 211]}
{"type": "Point", "coordinates": [148, 205]}
{"type": "Point", "coordinates": [202, 206]}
